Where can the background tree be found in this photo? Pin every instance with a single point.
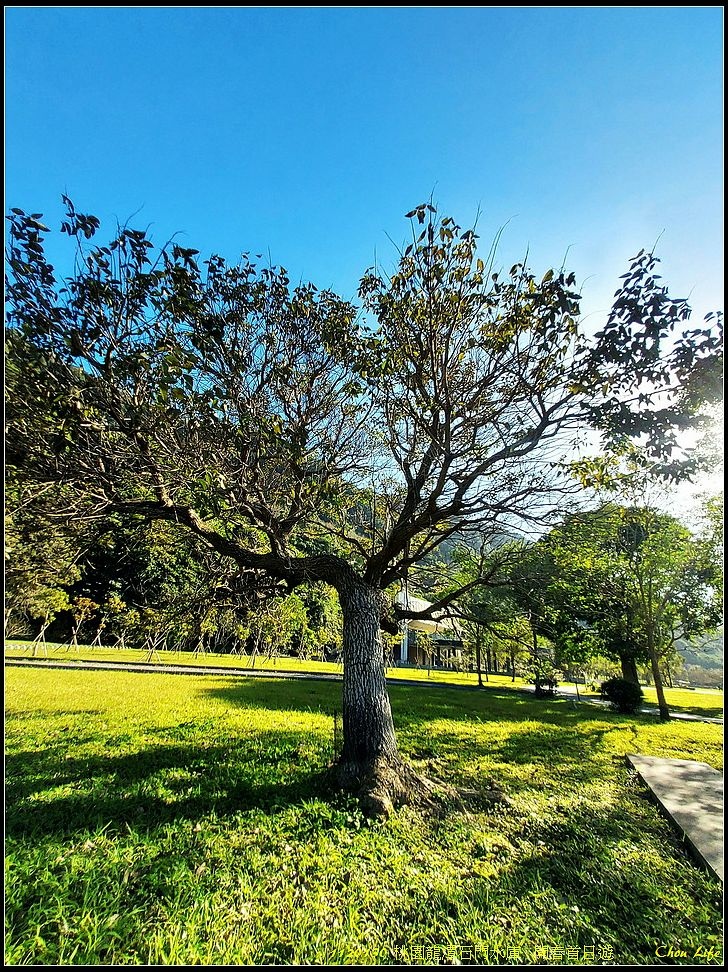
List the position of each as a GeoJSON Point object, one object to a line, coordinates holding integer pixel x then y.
{"type": "Point", "coordinates": [82, 608]}
{"type": "Point", "coordinates": [41, 563]}
{"type": "Point", "coordinates": [478, 577]}
{"type": "Point", "coordinates": [674, 584]}
{"type": "Point", "coordinates": [582, 593]}
{"type": "Point", "coordinates": [122, 619]}
{"type": "Point", "coordinates": [227, 401]}
{"type": "Point", "coordinates": [626, 583]}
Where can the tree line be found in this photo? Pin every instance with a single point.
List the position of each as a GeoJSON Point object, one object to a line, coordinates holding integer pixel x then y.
{"type": "Point", "coordinates": [592, 595]}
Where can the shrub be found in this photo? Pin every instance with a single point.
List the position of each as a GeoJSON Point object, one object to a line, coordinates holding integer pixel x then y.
{"type": "Point", "coordinates": [626, 697]}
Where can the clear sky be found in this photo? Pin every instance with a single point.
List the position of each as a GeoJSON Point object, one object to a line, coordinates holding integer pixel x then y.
{"type": "Point", "coordinates": [307, 133]}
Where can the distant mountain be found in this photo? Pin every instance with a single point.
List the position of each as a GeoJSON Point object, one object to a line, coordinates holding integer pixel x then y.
{"type": "Point", "coordinates": [704, 652]}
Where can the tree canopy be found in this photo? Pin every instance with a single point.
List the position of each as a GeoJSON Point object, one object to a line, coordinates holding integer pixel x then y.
{"type": "Point", "coordinates": [225, 395]}
{"type": "Point", "coordinates": [257, 414]}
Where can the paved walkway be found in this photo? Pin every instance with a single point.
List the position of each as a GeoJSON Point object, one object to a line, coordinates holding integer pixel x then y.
{"type": "Point", "coordinates": [167, 669]}
{"type": "Point", "coordinates": [569, 692]}
{"type": "Point", "coordinates": [690, 795]}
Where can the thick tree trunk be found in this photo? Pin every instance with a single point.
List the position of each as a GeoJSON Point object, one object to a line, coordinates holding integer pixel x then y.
{"type": "Point", "coordinates": [629, 669]}
{"type": "Point", "coordinates": [367, 715]}
{"type": "Point", "coordinates": [370, 764]}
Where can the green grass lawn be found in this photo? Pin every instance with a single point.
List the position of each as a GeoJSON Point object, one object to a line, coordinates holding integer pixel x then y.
{"type": "Point", "coordinates": [705, 702]}
{"type": "Point", "coordinates": [701, 702]}
{"type": "Point", "coordinates": [161, 819]}
{"type": "Point", "coordinates": [22, 649]}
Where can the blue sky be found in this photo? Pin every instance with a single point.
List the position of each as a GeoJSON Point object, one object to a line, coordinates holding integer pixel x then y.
{"type": "Point", "coordinates": [307, 133]}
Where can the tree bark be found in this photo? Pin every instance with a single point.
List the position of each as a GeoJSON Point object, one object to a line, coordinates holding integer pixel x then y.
{"type": "Point", "coordinates": [370, 764]}
{"type": "Point", "coordinates": [367, 714]}
{"type": "Point", "coordinates": [657, 676]}
{"type": "Point", "coordinates": [477, 656]}
{"type": "Point", "coordinates": [629, 669]}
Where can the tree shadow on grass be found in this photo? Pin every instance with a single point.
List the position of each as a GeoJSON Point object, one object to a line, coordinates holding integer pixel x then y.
{"type": "Point", "coordinates": [412, 705]}
{"type": "Point", "coordinates": [47, 793]}
{"type": "Point", "coordinates": [587, 876]}
{"type": "Point", "coordinates": [194, 770]}
{"type": "Point", "coordinates": [445, 732]}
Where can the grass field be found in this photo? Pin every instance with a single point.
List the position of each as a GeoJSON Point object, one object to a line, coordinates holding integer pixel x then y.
{"type": "Point", "coordinates": [701, 702]}
{"type": "Point", "coordinates": [22, 649]}
{"type": "Point", "coordinates": [160, 819]}
{"type": "Point", "coordinates": [704, 702]}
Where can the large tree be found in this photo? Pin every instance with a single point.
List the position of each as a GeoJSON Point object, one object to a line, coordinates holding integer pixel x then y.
{"type": "Point", "coordinates": [577, 590]}
{"type": "Point", "coordinates": [674, 583]}
{"type": "Point", "coordinates": [246, 410]}
{"type": "Point", "coordinates": [625, 583]}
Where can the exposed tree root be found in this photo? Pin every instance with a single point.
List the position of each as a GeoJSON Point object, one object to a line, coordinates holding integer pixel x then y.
{"type": "Point", "coordinates": [384, 784]}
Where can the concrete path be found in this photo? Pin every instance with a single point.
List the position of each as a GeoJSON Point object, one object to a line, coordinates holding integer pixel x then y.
{"type": "Point", "coordinates": [567, 691]}
{"type": "Point", "coordinates": [690, 795]}
{"type": "Point", "coordinates": [167, 669]}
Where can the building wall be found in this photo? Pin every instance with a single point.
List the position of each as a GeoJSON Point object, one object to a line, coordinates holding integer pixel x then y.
{"type": "Point", "coordinates": [421, 649]}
